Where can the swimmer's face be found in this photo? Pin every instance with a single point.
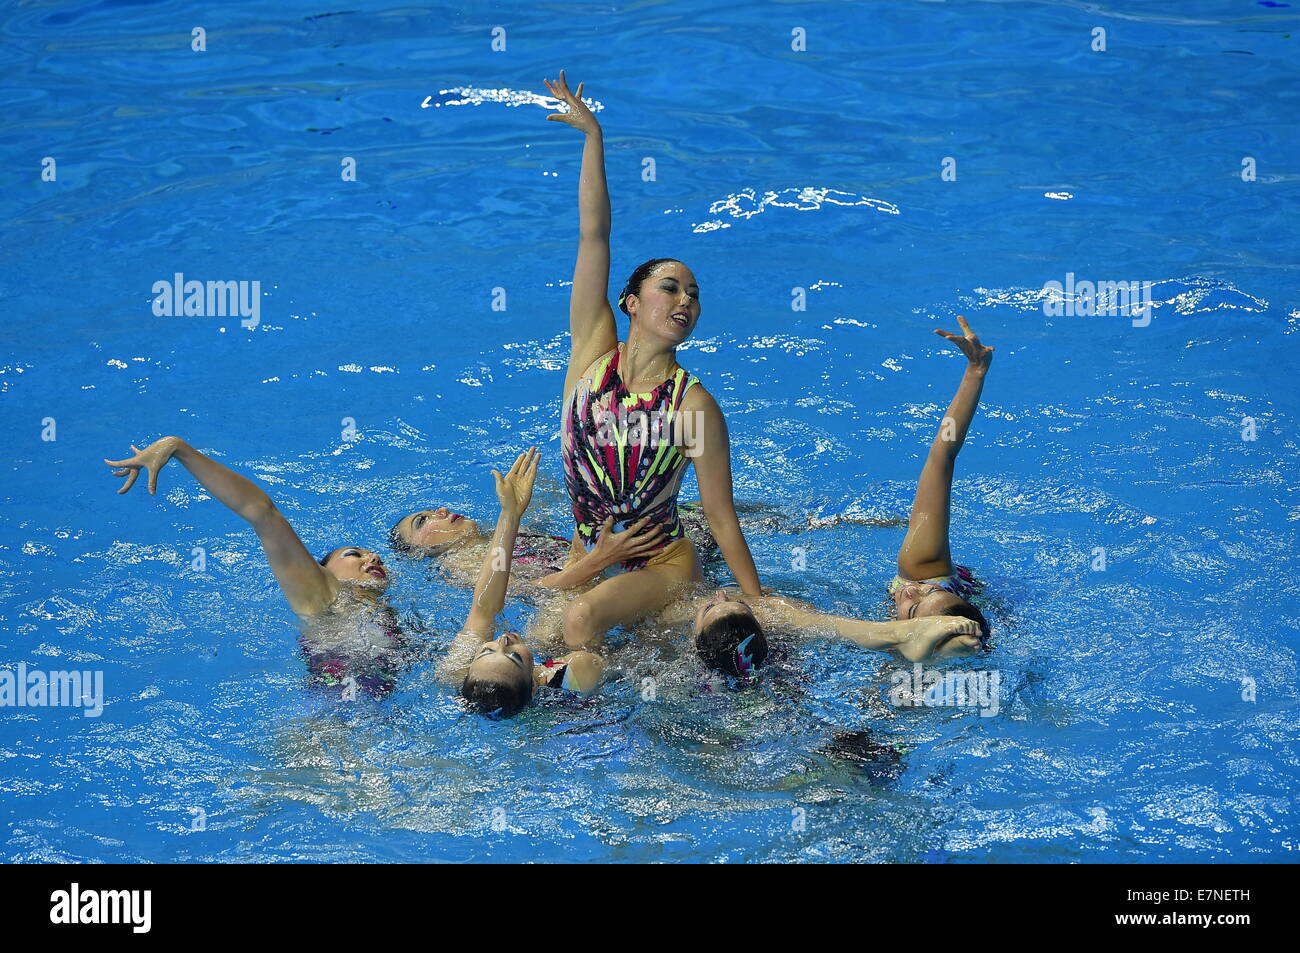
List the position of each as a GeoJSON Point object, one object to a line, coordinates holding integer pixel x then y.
{"type": "Point", "coordinates": [506, 659]}
{"type": "Point", "coordinates": [916, 601]}
{"type": "Point", "coordinates": [722, 604]}
{"type": "Point", "coordinates": [435, 527]}
{"type": "Point", "coordinates": [668, 302]}
{"type": "Point", "coordinates": [355, 564]}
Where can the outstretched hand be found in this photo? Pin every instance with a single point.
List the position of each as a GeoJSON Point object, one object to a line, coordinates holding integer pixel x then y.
{"type": "Point", "coordinates": [578, 115]}
{"type": "Point", "coordinates": [979, 355]}
{"type": "Point", "coordinates": [515, 489]}
{"type": "Point", "coordinates": [152, 459]}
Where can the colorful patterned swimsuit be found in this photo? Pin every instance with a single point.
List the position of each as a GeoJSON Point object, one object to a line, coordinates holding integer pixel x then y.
{"type": "Point", "coordinates": [541, 552]}
{"type": "Point", "coordinates": [373, 668]}
{"type": "Point", "coordinates": [960, 582]}
{"type": "Point", "coordinates": [623, 452]}
{"type": "Point", "coordinates": [559, 678]}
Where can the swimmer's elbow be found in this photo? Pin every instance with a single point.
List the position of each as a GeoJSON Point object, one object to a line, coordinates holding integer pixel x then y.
{"type": "Point", "coordinates": [265, 518]}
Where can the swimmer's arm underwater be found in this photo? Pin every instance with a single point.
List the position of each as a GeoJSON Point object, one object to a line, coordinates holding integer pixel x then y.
{"type": "Point", "coordinates": [514, 492]}
{"type": "Point", "coordinates": [913, 639]}
{"type": "Point", "coordinates": [680, 612]}
{"type": "Point", "coordinates": [308, 586]}
{"type": "Point", "coordinates": [591, 319]}
{"type": "Point", "coordinates": [925, 551]}
{"type": "Point", "coordinates": [765, 516]}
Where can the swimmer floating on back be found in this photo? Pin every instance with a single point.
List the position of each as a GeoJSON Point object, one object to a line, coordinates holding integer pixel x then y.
{"type": "Point", "coordinates": [632, 417]}
{"type": "Point", "coordinates": [498, 676]}
{"type": "Point", "coordinates": [350, 636]}
{"type": "Point", "coordinates": [729, 630]}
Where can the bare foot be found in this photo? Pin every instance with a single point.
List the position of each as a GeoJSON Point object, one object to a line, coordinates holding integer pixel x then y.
{"type": "Point", "coordinates": [930, 632]}
{"type": "Point", "coordinates": [959, 646]}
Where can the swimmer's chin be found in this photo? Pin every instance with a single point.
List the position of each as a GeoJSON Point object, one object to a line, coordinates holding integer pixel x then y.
{"type": "Point", "coordinates": [374, 585]}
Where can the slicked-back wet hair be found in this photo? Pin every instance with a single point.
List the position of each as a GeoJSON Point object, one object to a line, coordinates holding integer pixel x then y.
{"type": "Point", "coordinates": [639, 275]}
{"type": "Point", "coordinates": [398, 544]}
{"type": "Point", "coordinates": [719, 644]}
{"type": "Point", "coordinates": [491, 697]}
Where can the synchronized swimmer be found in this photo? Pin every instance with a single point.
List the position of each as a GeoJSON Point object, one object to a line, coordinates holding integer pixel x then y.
{"type": "Point", "coordinates": [631, 420]}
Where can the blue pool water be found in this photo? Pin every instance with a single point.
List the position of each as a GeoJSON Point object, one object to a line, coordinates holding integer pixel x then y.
{"type": "Point", "coordinates": [1149, 708]}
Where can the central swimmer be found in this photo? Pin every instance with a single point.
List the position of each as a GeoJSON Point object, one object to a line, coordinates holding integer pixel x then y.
{"type": "Point", "coordinates": [632, 417]}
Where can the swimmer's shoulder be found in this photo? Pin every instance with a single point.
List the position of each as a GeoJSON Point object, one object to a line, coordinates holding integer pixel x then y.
{"type": "Point", "coordinates": [461, 562]}
{"type": "Point", "coordinates": [697, 397]}
{"type": "Point", "coordinates": [586, 372]}
{"type": "Point", "coordinates": [583, 671]}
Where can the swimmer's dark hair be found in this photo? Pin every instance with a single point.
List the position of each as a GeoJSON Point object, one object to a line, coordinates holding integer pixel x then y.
{"type": "Point", "coordinates": [489, 697]}
{"type": "Point", "coordinates": [326, 558]}
{"type": "Point", "coordinates": [968, 611]}
{"type": "Point", "coordinates": [719, 642]}
{"type": "Point", "coordinates": [400, 545]}
{"type": "Point", "coordinates": [639, 274]}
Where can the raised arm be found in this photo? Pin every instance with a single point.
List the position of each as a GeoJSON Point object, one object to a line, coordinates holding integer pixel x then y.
{"type": "Point", "coordinates": [925, 552]}
{"type": "Point", "coordinates": [711, 452]}
{"type": "Point", "coordinates": [308, 586]}
{"type": "Point", "coordinates": [591, 319]}
{"type": "Point", "coordinates": [514, 492]}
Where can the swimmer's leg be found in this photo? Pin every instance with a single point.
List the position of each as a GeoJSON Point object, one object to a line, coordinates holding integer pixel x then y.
{"type": "Point", "coordinates": [925, 552]}
{"type": "Point", "coordinates": [621, 600]}
{"type": "Point", "coordinates": [547, 626]}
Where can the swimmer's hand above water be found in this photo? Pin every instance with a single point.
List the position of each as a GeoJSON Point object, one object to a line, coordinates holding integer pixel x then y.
{"type": "Point", "coordinates": [936, 636]}
{"type": "Point", "coordinates": [151, 459]}
{"type": "Point", "coordinates": [514, 493]}
{"type": "Point", "coordinates": [515, 489]}
{"type": "Point", "coordinates": [308, 586]}
{"type": "Point", "coordinates": [979, 355]}
{"type": "Point", "coordinates": [578, 115]}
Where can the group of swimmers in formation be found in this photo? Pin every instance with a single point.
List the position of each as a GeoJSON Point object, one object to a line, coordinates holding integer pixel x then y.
{"type": "Point", "coordinates": [634, 555]}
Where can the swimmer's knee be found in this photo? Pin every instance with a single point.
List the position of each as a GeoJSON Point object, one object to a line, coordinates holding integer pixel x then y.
{"type": "Point", "coordinates": [579, 624]}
